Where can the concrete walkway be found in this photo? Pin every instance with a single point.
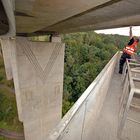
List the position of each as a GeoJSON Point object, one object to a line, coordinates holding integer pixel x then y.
{"type": "Point", "coordinates": [107, 123]}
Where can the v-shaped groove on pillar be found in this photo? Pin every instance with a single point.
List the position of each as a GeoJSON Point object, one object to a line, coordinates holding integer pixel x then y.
{"type": "Point", "coordinates": [42, 73]}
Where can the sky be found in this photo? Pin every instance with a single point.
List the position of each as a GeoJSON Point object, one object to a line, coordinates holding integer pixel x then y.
{"type": "Point", "coordinates": [121, 31]}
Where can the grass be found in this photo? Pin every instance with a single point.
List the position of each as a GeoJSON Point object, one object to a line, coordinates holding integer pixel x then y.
{"type": "Point", "coordinates": [8, 112]}
{"type": "Point", "coordinates": [3, 75]}
{"type": "Point", "coordinates": [8, 109]}
{"type": "Point", "coordinates": [4, 138]}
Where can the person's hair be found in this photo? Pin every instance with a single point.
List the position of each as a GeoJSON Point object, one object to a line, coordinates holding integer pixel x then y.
{"type": "Point", "coordinates": [136, 38]}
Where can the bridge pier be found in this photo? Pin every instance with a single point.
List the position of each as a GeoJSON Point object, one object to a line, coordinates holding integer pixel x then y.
{"type": "Point", "coordinates": [37, 70]}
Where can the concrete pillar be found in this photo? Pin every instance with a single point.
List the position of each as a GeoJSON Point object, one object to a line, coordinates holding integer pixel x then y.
{"type": "Point", "coordinates": [56, 39]}
{"type": "Point", "coordinates": [7, 58]}
{"type": "Point", "coordinates": [38, 69]}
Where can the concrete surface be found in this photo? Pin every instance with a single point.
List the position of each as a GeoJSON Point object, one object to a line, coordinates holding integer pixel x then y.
{"type": "Point", "coordinates": [106, 125]}
{"type": "Point", "coordinates": [9, 6]}
{"type": "Point", "coordinates": [97, 117]}
{"type": "Point", "coordinates": [35, 15]}
{"type": "Point", "coordinates": [72, 16]}
{"type": "Point", "coordinates": [80, 120]}
{"type": "Point", "coordinates": [111, 14]}
{"type": "Point", "coordinates": [38, 78]}
{"type": "Point", "coordinates": [49, 16]}
{"type": "Point", "coordinates": [6, 50]}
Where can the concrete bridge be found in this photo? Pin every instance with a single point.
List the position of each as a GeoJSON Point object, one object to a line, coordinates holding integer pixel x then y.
{"type": "Point", "coordinates": [37, 67]}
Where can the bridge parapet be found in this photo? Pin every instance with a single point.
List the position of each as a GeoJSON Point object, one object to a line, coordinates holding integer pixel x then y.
{"type": "Point", "coordinates": [74, 124]}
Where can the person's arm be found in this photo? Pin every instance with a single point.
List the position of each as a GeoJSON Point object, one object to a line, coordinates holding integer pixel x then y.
{"type": "Point", "coordinates": [130, 32]}
{"type": "Point", "coordinates": [131, 41]}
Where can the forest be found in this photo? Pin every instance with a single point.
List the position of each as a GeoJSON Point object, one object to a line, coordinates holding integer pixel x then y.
{"type": "Point", "coordinates": [86, 54]}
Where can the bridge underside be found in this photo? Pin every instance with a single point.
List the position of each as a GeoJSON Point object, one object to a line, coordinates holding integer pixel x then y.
{"type": "Point", "coordinates": [53, 16]}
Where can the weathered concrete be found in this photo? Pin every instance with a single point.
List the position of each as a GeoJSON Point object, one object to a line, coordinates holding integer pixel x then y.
{"type": "Point", "coordinates": [79, 122]}
{"type": "Point", "coordinates": [95, 116]}
{"type": "Point", "coordinates": [6, 49]}
{"type": "Point", "coordinates": [100, 18]}
{"type": "Point", "coordinates": [72, 16]}
{"type": "Point", "coordinates": [35, 15]}
{"type": "Point", "coordinates": [9, 6]}
{"type": "Point", "coordinates": [38, 77]}
{"type": "Point", "coordinates": [51, 16]}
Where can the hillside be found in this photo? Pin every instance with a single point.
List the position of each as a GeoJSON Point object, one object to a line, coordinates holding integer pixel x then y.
{"type": "Point", "coordinates": [85, 56]}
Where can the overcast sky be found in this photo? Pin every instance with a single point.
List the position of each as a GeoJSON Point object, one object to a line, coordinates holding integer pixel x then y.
{"type": "Point", "coordinates": [121, 31]}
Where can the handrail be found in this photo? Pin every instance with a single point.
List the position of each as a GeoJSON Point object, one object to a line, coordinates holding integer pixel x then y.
{"type": "Point", "coordinates": [130, 75]}
{"type": "Point", "coordinates": [129, 87]}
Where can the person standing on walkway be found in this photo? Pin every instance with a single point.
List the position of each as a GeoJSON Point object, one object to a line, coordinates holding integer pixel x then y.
{"type": "Point", "coordinates": [128, 50]}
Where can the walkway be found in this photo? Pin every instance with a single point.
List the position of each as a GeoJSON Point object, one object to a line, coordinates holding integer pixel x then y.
{"type": "Point", "coordinates": [107, 123]}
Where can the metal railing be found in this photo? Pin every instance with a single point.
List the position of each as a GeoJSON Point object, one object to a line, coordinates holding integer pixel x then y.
{"type": "Point", "coordinates": [131, 86]}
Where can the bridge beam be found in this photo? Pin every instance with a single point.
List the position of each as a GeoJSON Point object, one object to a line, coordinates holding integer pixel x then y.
{"type": "Point", "coordinates": [37, 70]}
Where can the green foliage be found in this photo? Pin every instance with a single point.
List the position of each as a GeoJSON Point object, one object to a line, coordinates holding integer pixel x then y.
{"type": "Point", "coordinates": [5, 138]}
{"type": "Point", "coordinates": [8, 111]}
{"type": "Point", "coordinates": [3, 75]}
{"type": "Point", "coordinates": [66, 106]}
{"type": "Point", "coordinates": [2, 70]}
{"type": "Point", "coordinates": [39, 38]}
{"type": "Point", "coordinates": [85, 56]}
